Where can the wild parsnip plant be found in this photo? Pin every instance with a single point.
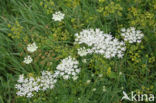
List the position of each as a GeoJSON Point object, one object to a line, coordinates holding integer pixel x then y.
{"type": "Point", "coordinates": [76, 51]}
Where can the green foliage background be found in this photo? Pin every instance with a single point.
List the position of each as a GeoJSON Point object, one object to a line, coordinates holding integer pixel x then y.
{"type": "Point", "coordinates": [25, 21]}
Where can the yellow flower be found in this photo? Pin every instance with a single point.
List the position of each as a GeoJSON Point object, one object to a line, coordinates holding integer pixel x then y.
{"type": "Point", "coordinates": [109, 71]}
{"type": "Point", "coordinates": [101, 1]}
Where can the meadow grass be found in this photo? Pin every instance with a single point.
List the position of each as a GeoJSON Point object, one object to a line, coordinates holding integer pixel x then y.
{"type": "Point", "coordinates": [26, 21]}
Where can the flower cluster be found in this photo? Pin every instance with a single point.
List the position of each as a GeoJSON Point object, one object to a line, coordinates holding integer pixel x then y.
{"type": "Point", "coordinates": [100, 43]}
{"type": "Point", "coordinates": [68, 68]}
{"type": "Point", "coordinates": [58, 16]}
{"type": "Point", "coordinates": [48, 5]}
{"type": "Point", "coordinates": [30, 48]}
{"type": "Point", "coordinates": [15, 30]}
{"type": "Point", "coordinates": [109, 9]}
{"type": "Point", "coordinates": [28, 59]}
{"type": "Point", "coordinates": [47, 80]}
{"type": "Point", "coordinates": [26, 86]}
{"type": "Point", "coordinates": [132, 35]}
{"type": "Point", "coordinates": [83, 51]}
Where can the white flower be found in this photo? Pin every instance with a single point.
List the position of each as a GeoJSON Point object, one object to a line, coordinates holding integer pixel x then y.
{"type": "Point", "coordinates": [68, 68]}
{"type": "Point", "coordinates": [47, 80]}
{"type": "Point", "coordinates": [27, 86]}
{"type": "Point", "coordinates": [21, 78]}
{"type": "Point", "coordinates": [88, 81]}
{"type": "Point", "coordinates": [99, 43]}
{"type": "Point", "coordinates": [132, 35]}
{"type": "Point", "coordinates": [66, 77]}
{"type": "Point", "coordinates": [83, 51]}
{"type": "Point", "coordinates": [100, 75]}
{"type": "Point", "coordinates": [28, 60]}
{"type": "Point", "coordinates": [92, 75]}
{"type": "Point", "coordinates": [32, 47]}
{"type": "Point", "coordinates": [75, 77]}
{"type": "Point", "coordinates": [120, 73]}
{"type": "Point", "coordinates": [58, 16]}
{"type": "Point", "coordinates": [84, 61]}
{"type": "Point", "coordinates": [94, 89]}
{"type": "Point", "coordinates": [104, 88]}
